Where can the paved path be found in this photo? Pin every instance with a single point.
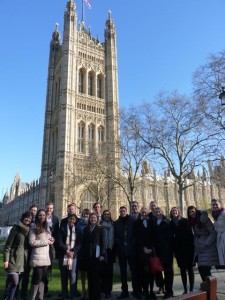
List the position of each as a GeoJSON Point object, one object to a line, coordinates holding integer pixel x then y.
{"type": "Point", "coordinates": [178, 287]}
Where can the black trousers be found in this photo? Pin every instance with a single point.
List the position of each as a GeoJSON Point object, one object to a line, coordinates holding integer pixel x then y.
{"type": "Point", "coordinates": [25, 282]}
{"type": "Point", "coordinates": [107, 272]}
{"type": "Point", "coordinates": [204, 271]}
{"type": "Point", "coordinates": [167, 282]}
{"type": "Point", "coordinates": [94, 285]}
{"type": "Point", "coordinates": [125, 260]}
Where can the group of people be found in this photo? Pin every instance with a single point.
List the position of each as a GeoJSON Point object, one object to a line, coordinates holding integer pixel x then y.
{"type": "Point", "coordinates": [90, 244]}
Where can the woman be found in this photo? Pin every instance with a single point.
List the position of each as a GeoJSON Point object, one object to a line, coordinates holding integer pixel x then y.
{"type": "Point", "coordinates": [218, 214]}
{"type": "Point", "coordinates": [144, 233]}
{"type": "Point", "coordinates": [164, 250]}
{"type": "Point", "coordinates": [183, 247]}
{"type": "Point", "coordinates": [15, 255]}
{"type": "Point", "coordinates": [83, 222]}
{"type": "Point", "coordinates": [92, 251]}
{"type": "Point", "coordinates": [205, 252]}
{"type": "Point", "coordinates": [107, 274]}
{"type": "Point", "coordinates": [67, 253]}
{"type": "Point", "coordinates": [39, 238]}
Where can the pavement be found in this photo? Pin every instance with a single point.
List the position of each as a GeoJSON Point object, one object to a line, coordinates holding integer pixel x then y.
{"type": "Point", "coordinates": [178, 287]}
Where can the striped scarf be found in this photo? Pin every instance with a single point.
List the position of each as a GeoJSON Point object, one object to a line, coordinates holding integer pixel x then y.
{"type": "Point", "coordinates": [70, 242]}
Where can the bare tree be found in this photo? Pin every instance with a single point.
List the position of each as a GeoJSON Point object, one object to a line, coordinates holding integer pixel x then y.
{"type": "Point", "coordinates": [176, 131]}
{"type": "Point", "coordinates": [208, 82]}
{"type": "Point", "coordinates": [133, 154]}
{"type": "Point", "coordinates": [92, 173]}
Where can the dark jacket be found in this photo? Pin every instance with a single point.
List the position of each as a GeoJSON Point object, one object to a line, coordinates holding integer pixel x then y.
{"type": "Point", "coordinates": [91, 242]}
{"type": "Point", "coordinates": [16, 248]}
{"type": "Point", "coordinates": [164, 245]}
{"type": "Point", "coordinates": [55, 225]}
{"type": "Point", "coordinates": [183, 242]}
{"type": "Point", "coordinates": [124, 236]}
{"type": "Point", "coordinates": [144, 237]}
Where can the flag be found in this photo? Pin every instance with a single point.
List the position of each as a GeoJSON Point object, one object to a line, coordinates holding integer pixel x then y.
{"type": "Point", "coordinates": [88, 4]}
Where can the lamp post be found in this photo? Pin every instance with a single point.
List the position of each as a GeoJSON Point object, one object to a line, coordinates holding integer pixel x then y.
{"type": "Point", "coordinates": [222, 95]}
{"type": "Point", "coordinates": [167, 198]}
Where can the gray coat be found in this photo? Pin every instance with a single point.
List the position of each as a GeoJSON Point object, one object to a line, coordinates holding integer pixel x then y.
{"type": "Point", "coordinates": [220, 229]}
{"type": "Point", "coordinates": [205, 241]}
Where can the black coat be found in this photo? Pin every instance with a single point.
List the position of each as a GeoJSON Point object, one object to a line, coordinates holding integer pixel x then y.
{"type": "Point", "coordinates": [90, 241]}
{"type": "Point", "coordinates": [183, 242]}
{"type": "Point", "coordinates": [164, 242]}
{"type": "Point", "coordinates": [124, 236]}
{"type": "Point", "coordinates": [144, 237]}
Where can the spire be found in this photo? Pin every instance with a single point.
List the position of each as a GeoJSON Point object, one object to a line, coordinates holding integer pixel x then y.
{"type": "Point", "coordinates": [70, 7]}
{"type": "Point", "coordinates": [56, 35]}
{"type": "Point", "coordinates": [109, 27]}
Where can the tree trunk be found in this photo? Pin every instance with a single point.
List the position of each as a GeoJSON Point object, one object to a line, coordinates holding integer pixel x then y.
{"type": "Point", "coordinates": [181, 199]}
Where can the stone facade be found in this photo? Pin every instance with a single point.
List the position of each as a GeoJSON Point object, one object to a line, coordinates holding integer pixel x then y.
{"type": "Point", "coordinates": [81, 109]}
{"type": "Point", "coordinates": [82, 122]}
{"type": "Point", "coordinates": [151, 187]}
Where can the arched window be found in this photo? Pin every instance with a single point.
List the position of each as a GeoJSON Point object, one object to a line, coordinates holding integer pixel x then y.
{"type": "Point", "coordinates": [87, 200]}
{"type": "Point", "coordinates": [80, 137]}
{"type": "Point", "coordinates": [81, 81]}
{"type": "Point", "coordinates": [99, 87]}
{"type": "Point", "coordinates": [91, 137]}
{"type": "Point", "coordinates": [90, 84]}
{"type": "Point", "coordinates": [100, 139]}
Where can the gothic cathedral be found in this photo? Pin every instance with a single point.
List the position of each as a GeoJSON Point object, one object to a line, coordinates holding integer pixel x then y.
{"type": "Point", "coordinates": [81, 114]}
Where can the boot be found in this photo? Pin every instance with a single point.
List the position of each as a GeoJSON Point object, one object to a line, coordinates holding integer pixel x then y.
{"type": "Point", "coordinates": [41, 291]}
{"type": "Point", "coordinates": [34, 290]}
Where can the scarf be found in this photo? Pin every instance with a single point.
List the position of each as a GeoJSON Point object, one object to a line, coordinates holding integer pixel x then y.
{"type": "Point", "coordinates": [216, 213]}
{"type": "Point", "coordinates": [24, 229]}
{"type": "Point", "coordinates": [109, 234]}
{"type": "Point", "coordinates": [70, 243]}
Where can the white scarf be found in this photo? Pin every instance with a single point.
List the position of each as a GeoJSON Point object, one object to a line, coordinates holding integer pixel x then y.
{"type": "Point", "coordinates": [70, 242]}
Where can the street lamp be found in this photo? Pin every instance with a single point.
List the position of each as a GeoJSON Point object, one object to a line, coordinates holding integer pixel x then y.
{"type": "Point", "coordinates": [222, 95]}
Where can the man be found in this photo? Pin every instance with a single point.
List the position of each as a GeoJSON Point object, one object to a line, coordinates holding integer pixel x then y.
{"type": "Point", "coordinates": [152, 206]}
{"type": "Point", "coordinates": [33, 210]}
{"type": "Point", "coordinates": [158, 276]}
{"type": "Point", "coordinates": [53, 222]}
{"type": "Point", "coordinates": [98, 210]}
{"type": "Point", "coordinates": [124, 244]}
{"type": "Point", "coordinates": [134, 210]}
{"type": "Point", "coordinates": [52, 219]}
{"type": "Point", "coordinates": [71, 210]}
{"type": "Point", "coordinates": [25, 279]}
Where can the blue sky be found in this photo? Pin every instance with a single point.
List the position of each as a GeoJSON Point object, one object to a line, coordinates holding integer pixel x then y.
{"type": "Point", "coordinates": [160, 44]}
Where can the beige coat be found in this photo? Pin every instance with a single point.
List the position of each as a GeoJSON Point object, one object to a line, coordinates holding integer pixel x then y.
{"type": "Point", "coordinates": [40, 248]}
{"type": "Point", "coordinates": [220, 228]}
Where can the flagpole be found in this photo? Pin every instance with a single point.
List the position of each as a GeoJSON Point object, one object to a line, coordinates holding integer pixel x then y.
{"type": "Point", "coordinates": [82, 11]}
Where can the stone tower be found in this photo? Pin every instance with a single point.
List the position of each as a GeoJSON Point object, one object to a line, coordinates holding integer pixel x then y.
{"type": "Point", "coordinates": [81, 114]}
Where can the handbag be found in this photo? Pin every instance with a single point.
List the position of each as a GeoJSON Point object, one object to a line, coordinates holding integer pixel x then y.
{"type": "Point", "coordinates": [155, 263]}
